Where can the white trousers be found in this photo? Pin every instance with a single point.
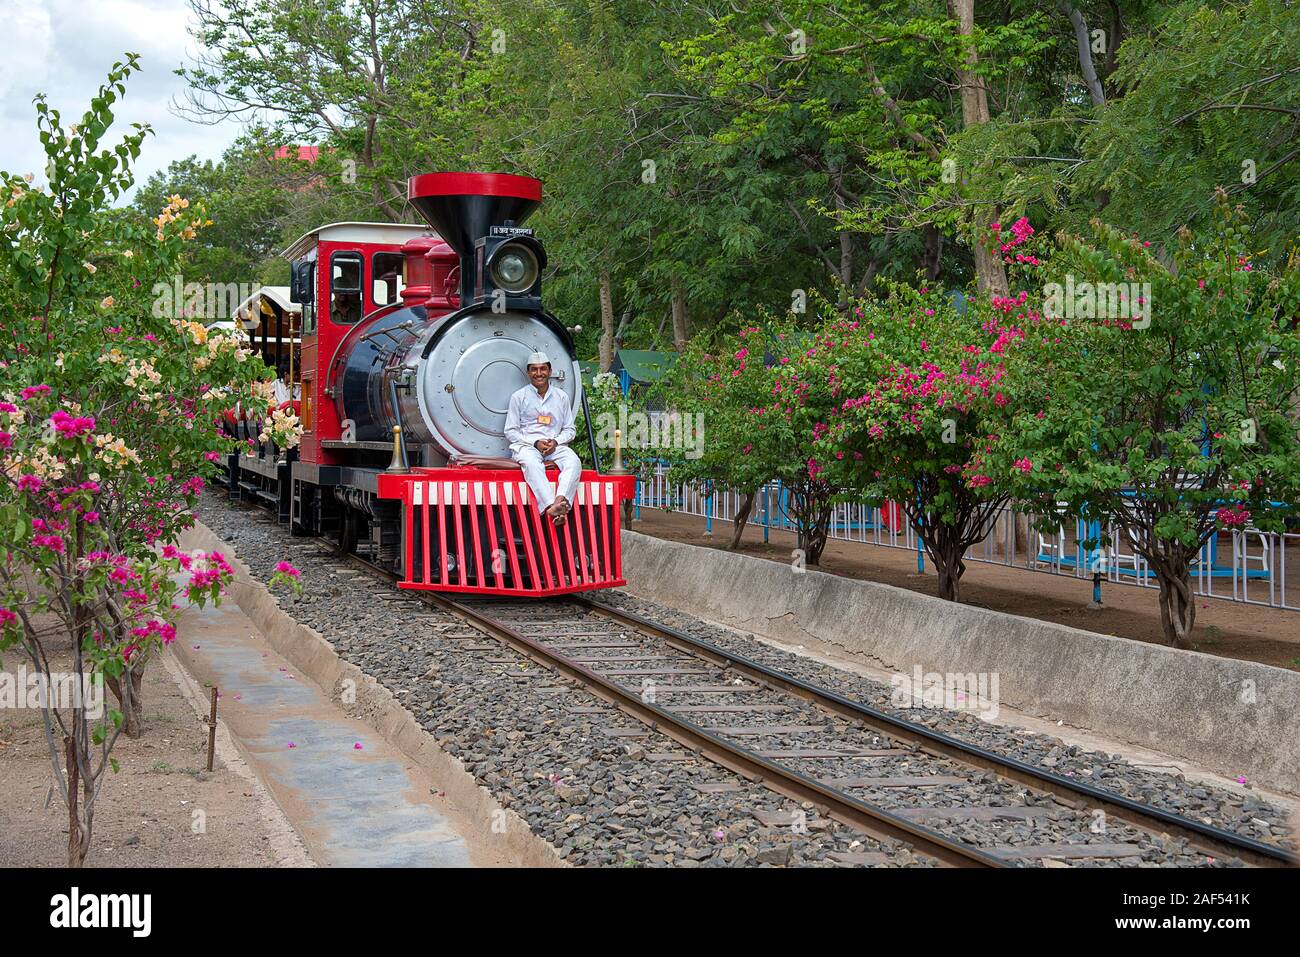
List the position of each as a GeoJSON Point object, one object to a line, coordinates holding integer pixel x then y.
{"type": "Point", "coordinates": [535, 472]}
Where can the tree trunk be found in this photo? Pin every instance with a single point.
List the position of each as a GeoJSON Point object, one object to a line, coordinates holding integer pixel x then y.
{"type": "Point", "coordinates": [681, 329]}
{"type": "Point", "coordinates": [132, 710]}
{"type": "Point", "coordinates": [950, 580]}
{"type": "Point", "coordinates": [76, 846]}
{"type": "Point", "coordinates": [1177, 602]}
{"type": "Point", "coordinates": [1021, 535]}
{"type": "Point", "coordinates": [1084, 42]}
{"type": "Point", "coordinates": [811, 511]}
{"type": "Point", "coordinates": [623, 323]}
{"type": "Point", "coordinates": [989, 272]}
{"type": "Point", "coordinates": [846, 245]}
{"type": "Point", "coordinates": [945, 549]}
{"type": "Point", "coordinates": [606, 323]}
{"type": "Point", "coordinates": [742, 519]}
{"type": "Point", "coordinates": [814, 541]}
{"type": "Point", "coordinates": [974, 97]}
{"type": "Point", "coordinates": [932, 252]}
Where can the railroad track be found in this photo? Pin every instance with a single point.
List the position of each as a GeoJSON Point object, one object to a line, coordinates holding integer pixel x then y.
{"type": "Point", "coordinates": [743, 715]}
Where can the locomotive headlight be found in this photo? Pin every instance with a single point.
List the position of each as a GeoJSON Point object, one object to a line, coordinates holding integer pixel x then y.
{"type": "Point", "coordinates": [514, 268]}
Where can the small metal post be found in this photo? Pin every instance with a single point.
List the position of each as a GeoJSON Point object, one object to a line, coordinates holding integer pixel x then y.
{"type": "Point", "coordinates": [1096, 589]}
{"type": "Point", "coordinates": [617, 468]}
{"type": "Point", "coordinates": [767, 524]}
{"type": "Point", "coordinates": [708, 515]}
{"type": "Point", "coordinates": [591, 433]}
{"type": "Point", "coordinates": [920, 551]}
{"type": "Point", "coordinates": [399, 462]}
{"type": "Point", "coordinates": [212, 728]}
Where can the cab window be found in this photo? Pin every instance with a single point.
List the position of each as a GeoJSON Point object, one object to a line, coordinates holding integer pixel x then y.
{"type": "Point", "coordinates": [345, 288]}
{"type": "Point", "coordinates": [309, 308]}
{"type": "Point", "coordinates": [386, 277]}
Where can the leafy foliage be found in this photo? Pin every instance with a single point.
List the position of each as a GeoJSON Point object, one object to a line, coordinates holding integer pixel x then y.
{"type": "Point", "coordinates": [107, 423]}
{"type": "Point", "coordinates": [1172, 425]}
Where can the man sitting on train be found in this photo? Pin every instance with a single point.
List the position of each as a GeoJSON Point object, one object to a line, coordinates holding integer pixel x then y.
{"type": "Point", "coordinates": [539, 428]}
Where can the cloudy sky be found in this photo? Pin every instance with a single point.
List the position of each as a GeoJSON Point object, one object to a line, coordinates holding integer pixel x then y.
{"type": "Point", "coordinates": [65, 47]}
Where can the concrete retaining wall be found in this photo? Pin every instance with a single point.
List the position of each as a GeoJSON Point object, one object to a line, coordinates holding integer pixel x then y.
{"type": "Point", "coordinates": [1183, 703]}
{"type": "Point", "coordinates": [313, 656]}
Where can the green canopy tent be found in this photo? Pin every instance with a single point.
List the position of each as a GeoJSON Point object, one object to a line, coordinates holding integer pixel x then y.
{"type": "Point", "coordinates": [639, 368]}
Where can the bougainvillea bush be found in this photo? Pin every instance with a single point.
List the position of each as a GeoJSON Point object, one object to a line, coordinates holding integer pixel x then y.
{"type": "Point", "coordinates": [759, 408]}
{"type": "Point", "coordinates": [920, 392]}
{"type": "Point", "coordinates": [107, 428]}
{"type": "Point", "coordinates": [1177, 417]}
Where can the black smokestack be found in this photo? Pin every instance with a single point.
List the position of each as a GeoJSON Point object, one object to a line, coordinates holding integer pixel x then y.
{"type": "Point", "coordinates": [463, 207]}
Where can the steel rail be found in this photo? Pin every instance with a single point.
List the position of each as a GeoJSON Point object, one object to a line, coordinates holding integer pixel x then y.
{"type": "Point", "coordinates": [871, 820]}
{"type": "Point", "coordinates": [1213, 840]}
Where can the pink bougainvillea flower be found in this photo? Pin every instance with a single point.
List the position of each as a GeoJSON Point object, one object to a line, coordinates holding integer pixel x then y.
{"type": "Point", "coordinates": [292, 745]}
{"type": "Point", "coordinates": [357, 747]}
{"type": "Point", "coordinates": [71, 427]}
{"type": "Point", "coordinates": [53, 542]}
{"type": "Point", "coordinates": [287, 569]}
{"type": "Point", "coordinates": [1241, 779]}
{"type": "Point", "coordinates": [719, 834]}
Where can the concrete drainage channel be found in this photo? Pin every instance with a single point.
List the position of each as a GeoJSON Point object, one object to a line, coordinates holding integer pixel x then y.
{"type": "Point", "coordinates": [499, 828]}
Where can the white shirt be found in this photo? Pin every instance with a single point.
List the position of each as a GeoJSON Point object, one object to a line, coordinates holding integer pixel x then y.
{"type": "Point", "coordinates": [281, 394]}
{"type": "Point", "coordinates": [532, 416]}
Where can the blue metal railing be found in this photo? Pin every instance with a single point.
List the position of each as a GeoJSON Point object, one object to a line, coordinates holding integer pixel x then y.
{"type": "Point", "coordinates": [1254, 573]}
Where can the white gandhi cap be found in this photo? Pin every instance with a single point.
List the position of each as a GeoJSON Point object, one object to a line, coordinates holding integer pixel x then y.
{"type": "Point", "coordinates": [538, 359]}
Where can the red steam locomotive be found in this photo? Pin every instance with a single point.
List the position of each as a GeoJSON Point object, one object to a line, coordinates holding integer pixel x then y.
{"type": "Point", "coordinates": [411, 344]}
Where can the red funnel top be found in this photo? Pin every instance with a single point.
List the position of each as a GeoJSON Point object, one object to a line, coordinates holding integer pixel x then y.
{"type": "Point", "coordinates": [463, 207]}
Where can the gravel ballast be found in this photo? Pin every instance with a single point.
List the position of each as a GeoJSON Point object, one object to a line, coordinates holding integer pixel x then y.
{"type": "Point", "coordinates": [607, 791]}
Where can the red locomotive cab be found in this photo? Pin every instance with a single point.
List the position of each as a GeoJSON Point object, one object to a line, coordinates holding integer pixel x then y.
{"type": "Point", "coordinates": [341, 273]}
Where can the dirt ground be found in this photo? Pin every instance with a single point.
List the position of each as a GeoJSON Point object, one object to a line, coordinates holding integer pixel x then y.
{"type": "Point", "coordinates": [1225, 628]}
{"type": "Point", "coordinates": [146, 812]}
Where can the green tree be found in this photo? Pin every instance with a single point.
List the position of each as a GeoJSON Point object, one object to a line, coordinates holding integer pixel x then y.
{"type": "Point", "coordinates": [1173, 410]}
{"type": "Point", "coordinates": [255, 203]}
{"type": "Point", "coordinates": [923, 389]}
{"type": "Point", "coordinates": [759, 400]}
{"type": "Point", "coordinates": [1208, 97]}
